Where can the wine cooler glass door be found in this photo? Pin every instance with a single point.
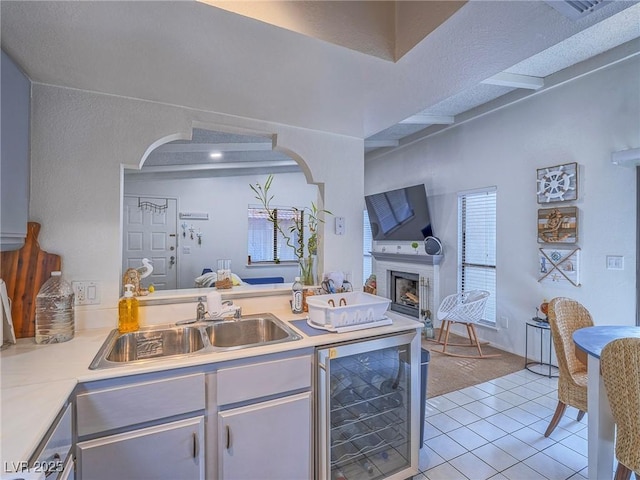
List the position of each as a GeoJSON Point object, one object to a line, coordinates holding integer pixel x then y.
{"type": "Point", "coordinates": [367, 410]}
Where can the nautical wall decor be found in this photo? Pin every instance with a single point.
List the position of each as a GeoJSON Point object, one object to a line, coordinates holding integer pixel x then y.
{"type": "Point", "coordinates": [558, 225]}
{"type": "Point", "coordinates": [558, 266]}
{"type": "Point", "coordinates": [558, 183]}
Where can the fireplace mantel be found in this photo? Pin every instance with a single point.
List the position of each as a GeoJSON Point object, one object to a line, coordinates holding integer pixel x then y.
{"type": "Point", "coordinates": [408, 258]}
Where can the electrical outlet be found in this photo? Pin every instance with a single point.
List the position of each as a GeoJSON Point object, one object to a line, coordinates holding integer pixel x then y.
{"type": "Point", "coordinates": [80, 291]}
{"type": "Point", "coordinates": [86, 293]}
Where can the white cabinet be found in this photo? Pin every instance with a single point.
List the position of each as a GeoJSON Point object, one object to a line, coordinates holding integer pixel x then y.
{"type": "Point", "coordinates": [14, 161]}
{"type": "Point", "coordinates": [163, 452]}
{"type": "Point", "coordinates": [53, 456]}
{"type": "Point", "coordinates": [144, 427]}
{"type": "Point", "coordinates": [266, 440]}
{"type": "Point", "coordinates": [264, 420]}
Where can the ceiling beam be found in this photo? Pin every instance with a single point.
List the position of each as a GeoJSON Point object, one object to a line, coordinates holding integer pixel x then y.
{"type": "Point", "coordinates": [380, 143]}
{"type": "Point", "coordinates": [213, 166]}
{"type": "Point", "coordinates": [214, 147]}
{"type": "Point", "coordinates": [425, 119]}
{"type": "Point", "coordinates": [515, 80]}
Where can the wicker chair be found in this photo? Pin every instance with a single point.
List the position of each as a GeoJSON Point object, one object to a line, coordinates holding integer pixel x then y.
{"type": "Point", "coordinates": [620, 367]}
{"type": "Point", "coordinates": [466, 308]}
{"type": "Point", "coordinates": [565, 317]}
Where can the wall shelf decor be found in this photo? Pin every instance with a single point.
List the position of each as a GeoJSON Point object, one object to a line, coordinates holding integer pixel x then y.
{"type": "Point", "coordinates": [559, 266]}
{"type": "Point", "coordinates": [558, 183]}
{"type": "Point", "coordinates": [558, 225]}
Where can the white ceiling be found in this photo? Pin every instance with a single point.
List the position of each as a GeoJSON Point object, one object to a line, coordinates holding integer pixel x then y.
{"type": "Point", "coordinates": [198, 56]}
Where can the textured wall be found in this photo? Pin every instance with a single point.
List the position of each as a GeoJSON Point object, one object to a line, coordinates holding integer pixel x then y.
{"type": "Point", "coordinates": [80, 140]}
{"type": "Point", "coordinates": [584, 122]}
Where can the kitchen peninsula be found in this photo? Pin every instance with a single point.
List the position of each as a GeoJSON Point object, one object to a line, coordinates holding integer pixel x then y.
{"type": "Point", "coordinates": [39, 380]}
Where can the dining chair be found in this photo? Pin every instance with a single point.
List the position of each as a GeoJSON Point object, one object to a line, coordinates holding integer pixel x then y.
{"type": "Point", "coordinates": [565, 317]}
{"type": "Point", "coordinates": [620, 367]}
{"type": "Point", "coordinates": [466, 308]}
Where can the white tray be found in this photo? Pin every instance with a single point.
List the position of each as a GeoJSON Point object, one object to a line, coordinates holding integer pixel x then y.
{"type": "Point", "coordinates": [350, 328]}
{"type": "Point", "coordinates": [342, 310]}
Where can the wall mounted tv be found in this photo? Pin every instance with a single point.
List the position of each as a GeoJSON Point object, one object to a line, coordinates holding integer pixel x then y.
{"type": "Point", "coordinates": [399, 215]}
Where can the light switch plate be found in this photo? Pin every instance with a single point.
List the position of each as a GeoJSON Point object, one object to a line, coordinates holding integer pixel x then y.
{"type": "Point", "coordinates": [340, 225]}
{"type": "Point", "coordinates": [615, 262]}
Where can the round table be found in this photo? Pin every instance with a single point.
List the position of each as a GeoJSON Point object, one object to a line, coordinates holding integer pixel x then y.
{"type": "Point", "coordinates": [601, 427]}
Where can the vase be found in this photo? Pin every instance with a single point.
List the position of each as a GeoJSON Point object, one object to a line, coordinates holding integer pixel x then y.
{"type": "Point", "coordinates": [308, 267]}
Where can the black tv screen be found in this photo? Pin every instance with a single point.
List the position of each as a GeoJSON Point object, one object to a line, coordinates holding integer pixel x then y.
{"type": "Point", "coordinates": [399, 215]}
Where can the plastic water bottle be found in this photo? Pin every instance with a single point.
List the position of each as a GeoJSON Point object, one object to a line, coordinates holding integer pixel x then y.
{"type": "Point", "coordinates": [296, 301]}
{"type": "Point", "coordinates": [54, 311]}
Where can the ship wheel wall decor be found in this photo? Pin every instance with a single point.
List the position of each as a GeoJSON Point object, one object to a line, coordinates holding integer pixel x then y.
{"type": "Point", "coordinates": [558, 183]}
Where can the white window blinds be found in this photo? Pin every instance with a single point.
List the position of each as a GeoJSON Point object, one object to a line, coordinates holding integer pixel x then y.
{"type": "Point", "coordinates": [265, 242]}
{"type": "Point", "coordinates": [477, 245]}
{"type": "Point", "coordinates": [366, 248]}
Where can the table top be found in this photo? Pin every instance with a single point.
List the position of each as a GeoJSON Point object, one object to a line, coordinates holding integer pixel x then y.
{"type": "Point", "coordinates": [593, 339]}
{"type": "Point", "coordinates": [538, 323]}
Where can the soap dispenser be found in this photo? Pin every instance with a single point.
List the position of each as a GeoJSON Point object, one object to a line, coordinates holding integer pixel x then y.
{"type": "Point", "coordinates": [128, 311]}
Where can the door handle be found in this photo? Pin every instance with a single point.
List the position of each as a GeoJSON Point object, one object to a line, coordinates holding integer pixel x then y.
{"type": "Point", "coordinates": [172, 260]}
{"type": "Point", "coordinates": [196, 445]}
{"type": "Point", "coordinates": [228, 442]}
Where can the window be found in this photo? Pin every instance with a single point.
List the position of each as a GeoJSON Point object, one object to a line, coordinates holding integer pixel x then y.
{"type": "Point", "coordinates": [265, 242]}
{"type": "Point", "coordinates": [366, 249]}
{"type": "Point", "coordinates": [477, 245]}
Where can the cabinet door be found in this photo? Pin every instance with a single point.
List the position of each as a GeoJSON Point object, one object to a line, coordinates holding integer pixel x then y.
{"type": "Point", "coordinates": [169, 451]}
{"type": "Point", "coordinates": [14, 167]}
{"type": "Point", "coordinates": [266, 440]}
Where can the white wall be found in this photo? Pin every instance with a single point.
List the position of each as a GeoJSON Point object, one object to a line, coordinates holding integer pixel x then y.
{"type": "Point", "coordinates": [225, 199]}
{"type": "Point", "coordinates": [80, 139]}
{"type": "Point", "coordinates": [584, 122]}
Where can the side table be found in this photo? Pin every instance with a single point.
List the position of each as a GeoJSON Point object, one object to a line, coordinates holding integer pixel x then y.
{"type": "Point", "coordinates": [548, 369]}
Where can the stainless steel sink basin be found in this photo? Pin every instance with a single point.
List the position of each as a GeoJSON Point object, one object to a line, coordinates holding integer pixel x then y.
{"type": "Point", "coordinates": [158, 342]}
{"type": "Point", "coordinates": [248, 331]}
{"type": "Point", "coordinates": [129, 347]}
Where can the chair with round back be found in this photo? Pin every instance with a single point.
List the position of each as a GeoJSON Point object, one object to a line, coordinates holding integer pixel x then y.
{"type": "Point", "coordinates": [465, 308]}
{"type": "Point", "coordinates": [620, 366]}
{"type": "Point", "coordinates": [565, 317]}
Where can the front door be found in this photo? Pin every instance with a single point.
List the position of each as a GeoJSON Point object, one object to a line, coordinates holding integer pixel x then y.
{"type": "Point", "coordinates": [149, 231]}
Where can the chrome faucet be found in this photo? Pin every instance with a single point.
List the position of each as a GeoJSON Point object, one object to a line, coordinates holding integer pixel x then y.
{"type": "Point", "coordinates": [200, 310]}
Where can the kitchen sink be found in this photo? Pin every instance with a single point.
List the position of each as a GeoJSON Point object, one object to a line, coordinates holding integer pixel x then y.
{"type": "Point", "coordinates": [139, 345]}
{"type": "Point", "coordinates": [198, 338]}
{"type": "Point", "coordinates": [247, 332]}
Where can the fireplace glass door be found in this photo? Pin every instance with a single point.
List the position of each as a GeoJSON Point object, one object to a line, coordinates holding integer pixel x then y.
{"type": "Point", "coordinates": [405, 293]}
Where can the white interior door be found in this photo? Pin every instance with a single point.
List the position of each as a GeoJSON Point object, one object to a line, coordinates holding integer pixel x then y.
{"type": "Point", "coordinates": [151, 233]}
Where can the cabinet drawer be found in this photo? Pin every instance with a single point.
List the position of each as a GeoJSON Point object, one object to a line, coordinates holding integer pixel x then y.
{"type": "Point", "coordinates": [121, 406]}
{"type": "Point", "coordinates": [238, 384]}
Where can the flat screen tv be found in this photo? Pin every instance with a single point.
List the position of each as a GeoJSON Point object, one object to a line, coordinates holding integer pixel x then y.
{"type": "Point", "coordinates": [399, 215]}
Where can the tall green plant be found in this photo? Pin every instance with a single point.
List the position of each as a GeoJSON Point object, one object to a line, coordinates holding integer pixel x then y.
{"type": "Point", "coordinates": [308, 216]}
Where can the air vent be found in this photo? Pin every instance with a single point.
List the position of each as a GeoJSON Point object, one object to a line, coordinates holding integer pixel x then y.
{"type": "Point", "coordinates": [577, 9]}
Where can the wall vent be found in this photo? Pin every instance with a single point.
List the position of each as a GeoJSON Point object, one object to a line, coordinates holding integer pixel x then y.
{"type": "Point", "coordinates": [577, 9]}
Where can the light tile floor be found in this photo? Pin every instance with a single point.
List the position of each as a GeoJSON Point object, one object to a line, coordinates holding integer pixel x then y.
{"type": "Point", "coordinates": [496, 430]}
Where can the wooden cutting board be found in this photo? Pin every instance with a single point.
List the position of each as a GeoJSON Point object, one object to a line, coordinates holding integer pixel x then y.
{"type": "Point", "coordinates": [24, 271]}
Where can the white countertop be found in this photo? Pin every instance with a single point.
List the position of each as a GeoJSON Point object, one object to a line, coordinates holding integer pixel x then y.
{"type": "Point", "coordinates": [37, 380]}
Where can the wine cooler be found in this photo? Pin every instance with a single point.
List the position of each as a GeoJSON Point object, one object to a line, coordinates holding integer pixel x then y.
{"type": "Point", "coordinates": [368, 412]}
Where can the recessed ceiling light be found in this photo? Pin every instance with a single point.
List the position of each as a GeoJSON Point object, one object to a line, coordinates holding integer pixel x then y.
{"type": "Point", "coordinates": [215, 155]}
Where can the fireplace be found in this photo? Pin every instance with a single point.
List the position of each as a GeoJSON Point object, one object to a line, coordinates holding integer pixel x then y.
{"type": "Point", "coordinates": [399, 274]}
{"type": "Point", "coordinates": [404, 291]}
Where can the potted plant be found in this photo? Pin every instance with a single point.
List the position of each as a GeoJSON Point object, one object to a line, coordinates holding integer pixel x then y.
{"type": "Point", "coordinates": [295, 237]}
{"type": "Point", "coordinates": [415, 246]}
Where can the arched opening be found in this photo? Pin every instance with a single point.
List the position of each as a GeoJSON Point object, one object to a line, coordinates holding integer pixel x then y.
{"type": "Point", "coordinates": [188, 205]}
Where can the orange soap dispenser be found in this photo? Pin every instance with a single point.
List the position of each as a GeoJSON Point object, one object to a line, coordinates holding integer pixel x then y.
{"type": "Point", "coordinates": [128, 311]}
